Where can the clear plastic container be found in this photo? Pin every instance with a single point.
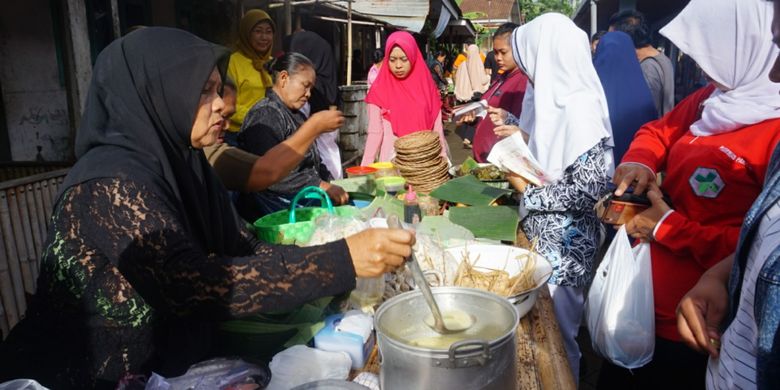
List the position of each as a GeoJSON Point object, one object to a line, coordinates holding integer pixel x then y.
{"type": "Point", "coordinates": [368, 293]}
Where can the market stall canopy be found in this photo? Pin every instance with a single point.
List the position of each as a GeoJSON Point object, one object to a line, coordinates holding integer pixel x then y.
{"type": "Point", "coordinates": [459, 30]}
{"type": "Point", "coordinates": [491, 13]}
{"type": "Point", "coordinates": [450, 25]}
{"type": "Point", "coordinates": [407, 14]}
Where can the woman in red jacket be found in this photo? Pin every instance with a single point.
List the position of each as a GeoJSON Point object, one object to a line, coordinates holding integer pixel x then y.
{"type": "Point", "coordinates": [714, 148]}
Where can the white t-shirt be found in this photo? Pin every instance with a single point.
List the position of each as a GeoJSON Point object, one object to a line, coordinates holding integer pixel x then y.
{"type": "Point", "coordinates": [736, 366]}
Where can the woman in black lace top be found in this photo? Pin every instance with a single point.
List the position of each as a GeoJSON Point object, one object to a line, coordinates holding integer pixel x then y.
{"type": "Point", "coordinates": [145, 251]}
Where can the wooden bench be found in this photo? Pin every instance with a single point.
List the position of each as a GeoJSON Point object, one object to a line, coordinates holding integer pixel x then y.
{"type": "Point", "coordinates": [26, 205]}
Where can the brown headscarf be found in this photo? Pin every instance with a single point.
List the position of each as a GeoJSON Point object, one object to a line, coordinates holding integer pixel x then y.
{"type": "Point", "coordinates": [248, 22]}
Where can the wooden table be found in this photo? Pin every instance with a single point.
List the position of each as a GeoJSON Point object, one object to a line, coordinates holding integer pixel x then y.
{"type": "Point", "coordinates": [541, 356]}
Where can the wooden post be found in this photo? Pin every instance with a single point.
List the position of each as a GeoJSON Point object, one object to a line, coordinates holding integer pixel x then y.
{"type": "Point", "coordinates": [287, 17]}
{"type": "Point", "coordinates": [113, 4]}
{"type": "Point", "coordinates": [349, 42]}
{"type": "Point", "coordinates": [78, 61]}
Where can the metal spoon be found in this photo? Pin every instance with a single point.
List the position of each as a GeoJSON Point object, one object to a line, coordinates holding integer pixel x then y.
{"type": "Point", "coordinates": [419, 279]}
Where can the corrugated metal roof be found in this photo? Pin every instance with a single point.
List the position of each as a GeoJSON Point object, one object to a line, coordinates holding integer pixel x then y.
{"type": "Point", "coordinates": [409, 14]}
{"type": "Point", "coordinates": [488, 9]}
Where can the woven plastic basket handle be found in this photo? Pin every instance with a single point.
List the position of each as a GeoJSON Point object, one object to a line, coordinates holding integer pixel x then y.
{"type": "Point", "coordinates": [306, 193]}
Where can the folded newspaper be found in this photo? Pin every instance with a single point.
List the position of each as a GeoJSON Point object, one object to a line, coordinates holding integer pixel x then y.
{"type": "Point", "coordinates": [512, 155]}
{"type": "Point", "coordinates": [479, 109]}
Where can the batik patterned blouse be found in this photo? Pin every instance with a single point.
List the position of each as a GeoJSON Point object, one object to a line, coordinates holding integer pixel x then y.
{"type": "Point", "coordinates": [562, 218]}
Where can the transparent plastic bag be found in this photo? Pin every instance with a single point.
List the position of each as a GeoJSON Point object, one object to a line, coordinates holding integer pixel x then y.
{"type": "Point", "coordinates": [620, 311]}
{"type": "Point", "coordinates": [217, 373]}
{"type": "Point", "coordinates": [329, 228]}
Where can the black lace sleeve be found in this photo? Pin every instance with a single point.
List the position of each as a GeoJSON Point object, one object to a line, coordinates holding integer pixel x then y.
{"type": "Point", "coordinates": [153, 252]}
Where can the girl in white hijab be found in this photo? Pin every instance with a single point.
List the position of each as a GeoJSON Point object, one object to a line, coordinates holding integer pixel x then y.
{"type": "Point", "coordinates": [567, 124]}
{"type": "Point", "coordinates": [471, 76]}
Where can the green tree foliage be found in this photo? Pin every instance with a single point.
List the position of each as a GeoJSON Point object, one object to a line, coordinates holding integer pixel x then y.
{"type": "Point", "coordinates": [533, 8]}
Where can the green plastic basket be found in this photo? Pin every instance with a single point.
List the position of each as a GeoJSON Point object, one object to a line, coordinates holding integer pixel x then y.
{"type": "Point", "coordinates": [297, 224]}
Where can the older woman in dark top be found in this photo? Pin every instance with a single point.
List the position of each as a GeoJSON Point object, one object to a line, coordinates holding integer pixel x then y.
{"type": "Point", "coordinates": [269, 123]}
{"type": "Point", "coordinates": [145, 252]}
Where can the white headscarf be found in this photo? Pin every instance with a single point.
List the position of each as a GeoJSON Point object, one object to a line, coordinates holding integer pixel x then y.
{"type": "Point", "coordinates": [731, 40]}
{"type": "Point", "coordinates": [471, 76]}
{"type": "Point", "coordinates": [565, 114]}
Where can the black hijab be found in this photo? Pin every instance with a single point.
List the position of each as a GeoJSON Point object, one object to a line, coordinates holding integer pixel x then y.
{"type": "Point", "coordinates": [319, 51]}
{"type": "Point", "coordinates": [136, 126]}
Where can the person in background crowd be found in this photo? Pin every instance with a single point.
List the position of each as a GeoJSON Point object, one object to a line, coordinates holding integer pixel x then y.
{"type": "Point", "coordinates": [436, 67]}
{"type": "Point", "coordinates": [594, 40]}
{"type": "Point", "coordinates": [403, 99]}
{"type": "Point", "coordinates": [326, 90]}
{"type": "Point", "coordinates": [145, 252]}
{"type": "Point", "coordinates": [504, 96]}
{"type": "Point", "coordinates": [376, 57]}
{"type": "Point", "coordinates": [461, 57]}
{"type": "Point", "coordinates": [714, 147]}
{"type": "Point", "coordinates": [325, 94]}
{"type": "Point", "coordinates": [741, 297]}
{"type": "Point", "coordinates": [272, 121]}
{"type": "Point", "coordinates": [491, 66]}
{"type": "Point", "coordinates": [471, 78]}
{"type": "Point", "coordinates": [628, 97]}
{"type": "Point", "coordinates": [247, 65]}
{"type": "Point", "coordinates": [567, 124]}
{"type": "Point", "coordinates": [656, 66]}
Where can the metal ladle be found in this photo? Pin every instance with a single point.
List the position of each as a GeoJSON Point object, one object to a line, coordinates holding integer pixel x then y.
{"type": "Point", "coordinates": [419, 279]}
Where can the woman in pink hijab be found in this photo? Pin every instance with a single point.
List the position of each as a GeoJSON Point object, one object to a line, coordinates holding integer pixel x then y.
{"type": "Point", "coordinates": [402, 100]}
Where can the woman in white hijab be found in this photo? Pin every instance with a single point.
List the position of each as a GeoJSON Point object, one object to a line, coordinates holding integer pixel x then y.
{"type": "Point", "coordinates": [471, 76]}
{"type": "Point", "coordinates": [714, 147]}
{"type": "Point", "coordinates": [566, 122]}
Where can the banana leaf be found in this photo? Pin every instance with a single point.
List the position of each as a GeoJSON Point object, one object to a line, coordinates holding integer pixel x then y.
{"type": "Point", "coordinates": [444, 231]}
{"type": "Point", "coordinates": [493, 222]}
{"type": "Point", "coordinates": [468, 190]}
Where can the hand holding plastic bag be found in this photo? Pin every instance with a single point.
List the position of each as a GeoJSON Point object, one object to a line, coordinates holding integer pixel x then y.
{"type": "Point", "coordinates": [620, 309]}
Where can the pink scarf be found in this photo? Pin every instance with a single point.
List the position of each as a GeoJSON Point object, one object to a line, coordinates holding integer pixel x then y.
{"type": "Point", "coordinates": [411, 104]}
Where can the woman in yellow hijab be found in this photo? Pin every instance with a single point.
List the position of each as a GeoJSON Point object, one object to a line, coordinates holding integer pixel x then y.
{"type": "Point", "coordinates": [246, 69]}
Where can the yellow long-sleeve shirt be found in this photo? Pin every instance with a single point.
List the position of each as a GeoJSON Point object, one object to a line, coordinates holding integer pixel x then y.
{"type": "Point", "coordinates": [251, 85]}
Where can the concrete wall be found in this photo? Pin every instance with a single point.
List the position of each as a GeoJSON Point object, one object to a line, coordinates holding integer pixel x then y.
{"type": "Point", "coordinates": [33, 96]}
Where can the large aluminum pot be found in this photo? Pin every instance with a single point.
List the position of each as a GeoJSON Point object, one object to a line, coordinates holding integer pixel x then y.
{"type": "Point", "coordinates": [482, 357]}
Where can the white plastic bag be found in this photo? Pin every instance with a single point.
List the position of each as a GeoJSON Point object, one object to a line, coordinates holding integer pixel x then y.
{"type": "Point", "coordinates": [327, 145]}
{"type": "Point", "coordinates": [300, 364]}
{"type": "Point", "coordinates": [22, 384]}
{"type": "Point", "coordinates": [619, 310]}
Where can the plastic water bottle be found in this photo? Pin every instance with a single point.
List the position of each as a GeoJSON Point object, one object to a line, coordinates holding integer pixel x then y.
{"type": "Point", "coordinates": [412, 213]}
